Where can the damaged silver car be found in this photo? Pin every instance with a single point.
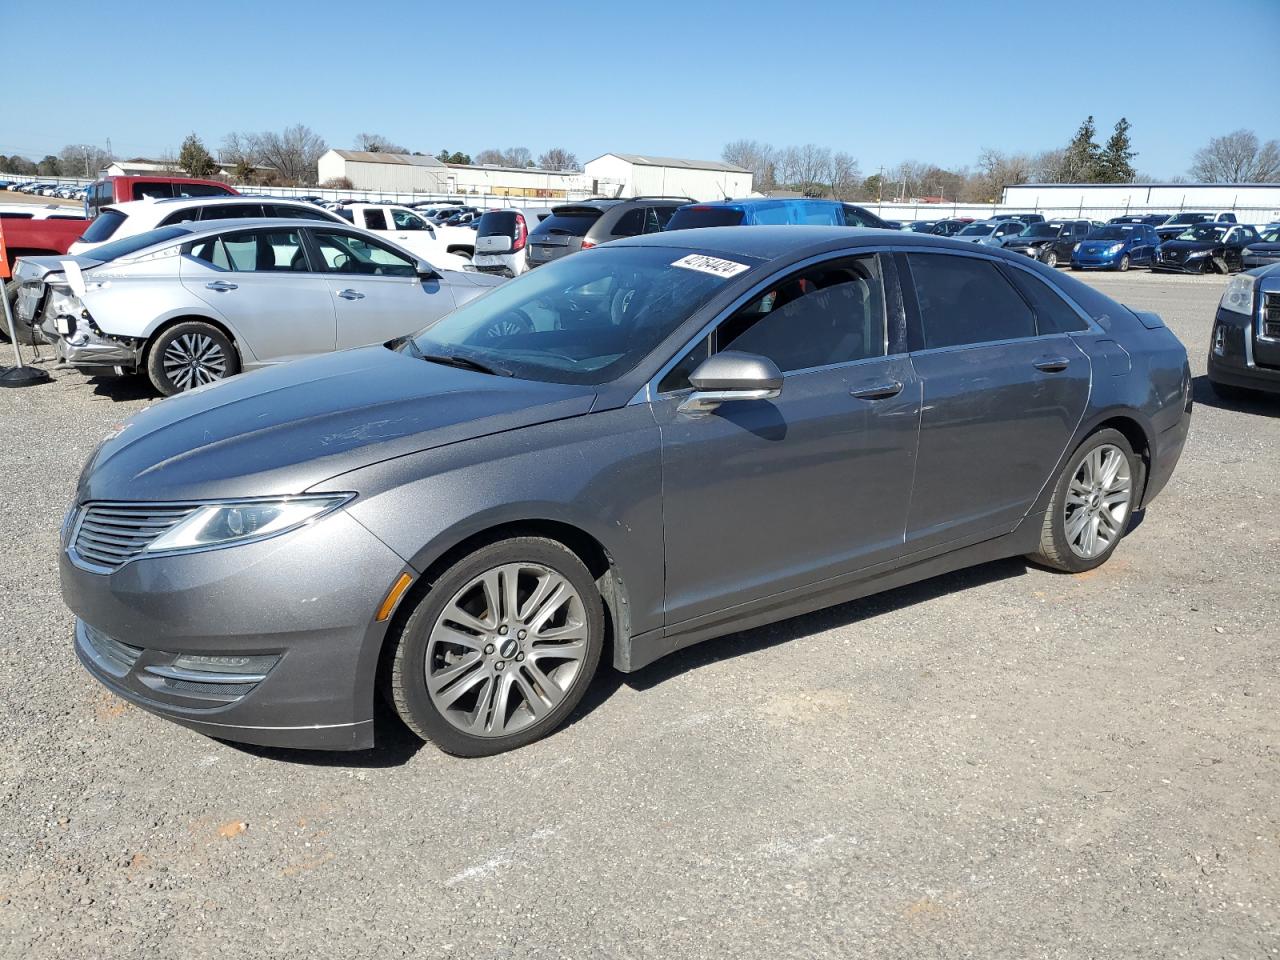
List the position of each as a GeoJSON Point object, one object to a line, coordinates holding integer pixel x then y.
{"type": "Point", "coordinates": [191, 304]}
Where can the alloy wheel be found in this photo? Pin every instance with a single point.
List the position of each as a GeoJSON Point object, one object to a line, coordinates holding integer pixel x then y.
{"type": "Point", "coordinates": [193, 360]}
{"type": "Point", "coordinates": [1098, 500]}
{"type": "Point", "coordinates": [506, 649]}
{"type": "Point", "coordinates": [1051, 259]}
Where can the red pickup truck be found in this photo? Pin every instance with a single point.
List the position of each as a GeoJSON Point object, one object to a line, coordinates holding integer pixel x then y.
{"type": "Point", "coordinates": [38, 237]}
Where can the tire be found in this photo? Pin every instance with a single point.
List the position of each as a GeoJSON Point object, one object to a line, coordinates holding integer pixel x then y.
{"type": "Point", "coordinates": [1062, 538]}
{"type": "Point", "coordinates": [489, 707]}
{"type": "Point", "coordinates": [1224, 391]}
{"type": "Point", "coordinates": [1123, 266]}
{"type": "Point", "coordinates": [1051, 260]}
{"type": "Point", "coordinates": [195, 339]}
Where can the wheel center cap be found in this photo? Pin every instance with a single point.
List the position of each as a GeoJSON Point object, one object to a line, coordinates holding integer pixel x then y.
{"type": "Point", "coordinates": [509, 648]}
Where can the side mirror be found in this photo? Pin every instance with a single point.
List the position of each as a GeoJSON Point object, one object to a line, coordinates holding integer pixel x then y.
{"type": "Point", "coordinates": [425, 271]}
{"type": "Point", "coordinates": [730, 376]}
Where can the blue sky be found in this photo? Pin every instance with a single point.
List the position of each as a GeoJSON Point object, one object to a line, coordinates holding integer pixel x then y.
{"type": "Point", "coordinates": [885, 81]}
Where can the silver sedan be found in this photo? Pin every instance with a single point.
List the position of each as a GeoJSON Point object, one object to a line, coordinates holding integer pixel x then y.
{"type": "Point", "coordinates": [192, 304]}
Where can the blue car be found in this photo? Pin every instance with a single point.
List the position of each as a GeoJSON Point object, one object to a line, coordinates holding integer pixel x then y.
{"type": "Point", "coordinates": [1116, 246]}
{"type": "Point", "coordinates": [767, 211]}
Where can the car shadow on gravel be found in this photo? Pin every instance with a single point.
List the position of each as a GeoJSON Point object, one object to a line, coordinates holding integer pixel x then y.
{"type": "Point", "coordinates": [1258, 404]}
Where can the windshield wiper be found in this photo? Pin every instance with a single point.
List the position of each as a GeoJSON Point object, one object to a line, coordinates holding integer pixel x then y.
{"type": "Point", "coordinates": [465, 363]}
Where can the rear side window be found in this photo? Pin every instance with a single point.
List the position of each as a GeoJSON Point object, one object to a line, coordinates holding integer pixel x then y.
{"type": "Point", "coordinates": [964, 300]}
{"type": "Point", "coordinates": [185, 215]}
{"type": "Point", "coordinates": [7, 215]}
{"type": "Point", "coordinates": [291, 212]}
{"type": "Point", "coordinates": [374, 219]}
{"type": "Point", "coordinates": [568, 224]}
{"type": "Point", "coordinates": [688, 218]}
{"type": "Point", "coordinates": [630, 224]}
{"type": "Point", "coordinates": [1053, 314]}
{"type": "Point", "coordinates": [230, 211]}
{"type": "Point", "coordinates": [274, 251]}
{"type": "Point", "coordinates": [103, 227]}
{"type": "Point", "coordinates": [200, 190]}
{"type": "Point", "coordinates": [157, 191]}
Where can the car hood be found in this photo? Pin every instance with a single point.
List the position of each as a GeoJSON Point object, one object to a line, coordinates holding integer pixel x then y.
{"type": "Point", "coordinates": [1100, 246]}
{"type": "Point", "coordinates": [286, 428]}
{"type": "Point", "coordinates": [1265, 246]}
{"type": "Point", "coordinates": [1188, 246]}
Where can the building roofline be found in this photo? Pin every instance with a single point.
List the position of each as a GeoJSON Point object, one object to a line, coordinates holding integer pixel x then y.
{"type": "Point", "coordinates": [1117, 186]}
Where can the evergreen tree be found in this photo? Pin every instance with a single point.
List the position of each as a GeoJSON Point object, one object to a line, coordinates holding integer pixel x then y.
{"type": "Point", "coordinates": [1080, 163]}
{"type": "Point", "coordinates": [1115, 162]}
{"type": "Point", "coordinates": [195, 159]}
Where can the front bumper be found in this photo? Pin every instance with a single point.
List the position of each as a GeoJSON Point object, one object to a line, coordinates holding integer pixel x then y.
{"type": "Point", "coordinates": [308, 598]}
{"type": "Point", "coordinates": [1110, 262]}
{"type": "Point", "coordinates": [1193, 265]}
{"type": "Point", "coordinates": [1237, 365]}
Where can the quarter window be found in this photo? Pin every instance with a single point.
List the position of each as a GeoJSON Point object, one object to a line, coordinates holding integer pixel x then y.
{"type": "Point", "coordinates": [291, 212]}
{"type": "Point", "coordinates": [630, 223]}
{"type": "Point", "coordinates": [1053, 314]}
{"type": "Point", "coordinates": [267, 251]}
{"type": "Point", "coordinates": [965, 300]}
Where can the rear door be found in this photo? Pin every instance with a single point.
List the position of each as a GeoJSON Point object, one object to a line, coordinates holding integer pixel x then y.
{"type": "Point", "coordinates": [262, 283]}
{"type": "Point", "coordinates": [1003, 392]}
{"type": "Point", "coordinates": [375, 289]}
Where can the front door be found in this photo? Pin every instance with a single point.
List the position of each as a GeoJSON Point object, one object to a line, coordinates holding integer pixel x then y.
{"type": "Point", "coordinates": [260, 281]}
{"type": "Point", "coordinates": [760, 497]}
{"type": "Point", "coordinates": [1004, 387]}
{"type": "Point", "coordinates": [376, 290]}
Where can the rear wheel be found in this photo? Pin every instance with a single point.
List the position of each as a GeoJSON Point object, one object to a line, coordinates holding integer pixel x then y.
{"type": "Point", "coordinates": [189, 355]}
{"type": "Point", "coordinates": [500, 650]}
{"type": "Point", "coordinates": [1091, 505]}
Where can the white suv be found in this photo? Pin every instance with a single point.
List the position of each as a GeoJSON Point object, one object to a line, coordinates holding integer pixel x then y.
{"type": "Point", "coordinates": [501, 238]}
{"type": "Point", "coordinates": [122, 220]}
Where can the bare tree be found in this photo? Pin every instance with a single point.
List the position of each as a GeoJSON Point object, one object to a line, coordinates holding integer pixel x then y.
{"type": "Point", "coordinates": [510, 157]}
{"type": "Point", "coordinates": [1238, 157]}
{"type": "Point", "coordinates": [377, 143]}
{"type": "Point", "coordinates": [759, 158]}
{"type": "Point", "coordinates": [558, 158]}
{"type": "Point", "coordinates": [844, 177]}
{"type": "Point", "coordinates": [82, 160]}
{"type": "Point", "coordinates": [292, 153]}
{"type": "Point", "coordinates": [996, 170]}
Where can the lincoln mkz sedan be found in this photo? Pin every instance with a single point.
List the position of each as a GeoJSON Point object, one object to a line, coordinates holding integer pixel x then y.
{"type": "Point", "coordinates": [658, 441]}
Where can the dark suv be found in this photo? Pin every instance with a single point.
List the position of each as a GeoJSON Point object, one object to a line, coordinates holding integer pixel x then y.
{"type": "Point", "coordinates": [1050, 242]}
{"type": "Point", "coordinates": [588, 223]}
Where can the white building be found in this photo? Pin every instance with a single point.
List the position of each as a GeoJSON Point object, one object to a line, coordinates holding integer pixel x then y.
{"type": "Point", "coordinates": [384, 172]}
{"type": "Point", "coordinates": [1253, 202]}
{"type": "Point", "coordinates": [635, 175]}
{"type": "Point", "coordinates": [498, 181]}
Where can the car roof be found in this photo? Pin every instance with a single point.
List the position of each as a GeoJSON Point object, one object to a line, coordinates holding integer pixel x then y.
{"type": "Point", "coordinates": [130, 207]}
{"type": "Point", "coordinates": [198, 229]}
{"type": "Point", "coordinates": [731, 204]}
{"type": "Point", "coordinates": [771, 242]}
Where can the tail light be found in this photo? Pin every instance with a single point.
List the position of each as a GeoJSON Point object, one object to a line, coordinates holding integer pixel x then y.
{"type": "Point", "coordinates": [522, 233]}
{"type": "Point", "coordinates": [587, 244]}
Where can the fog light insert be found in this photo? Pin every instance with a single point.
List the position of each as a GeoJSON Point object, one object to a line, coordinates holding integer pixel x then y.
{"type": "Point", "coordinates": [216, 668]}
{"type": "Point", "coordinates": [1219, 340]}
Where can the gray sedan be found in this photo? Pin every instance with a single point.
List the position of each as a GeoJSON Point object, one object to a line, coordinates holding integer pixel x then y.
{"type": "Point", "coordinates": [194, 303]}
{"type": "Point", "coordinates": [634, 449]}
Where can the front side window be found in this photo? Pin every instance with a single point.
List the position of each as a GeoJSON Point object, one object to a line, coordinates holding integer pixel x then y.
{"type": "Point", "coordinates": [583, 319]}
{"type": "Point", "coordinates": [343, 253]}
{"type": "Point", "coordinates": [965, 300]}
{"type": "Point", "coordinates": [266, 251]}
{"type": "Point", "coordinates": [824, 315]}
{"type": "Point", "coordinates": [404, 220]}
{"type": "Point", "coordinates": [374, 219]}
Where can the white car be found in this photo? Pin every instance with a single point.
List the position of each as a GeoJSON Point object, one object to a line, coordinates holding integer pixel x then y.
{"type": "Point", "coordinates": [410, 230]}
{"type": "Point", "coordinates": [501, 239]}
{"type": "Point", "coordinates": [29, 211]}
{"type": "Point", "coordinates": [193, 303]}
{"type": "Point", "coordinates": [121, 220]}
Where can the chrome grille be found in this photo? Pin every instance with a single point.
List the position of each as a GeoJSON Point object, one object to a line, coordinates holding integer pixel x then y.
{"type": "Point", "coordinates": [110, 534]}
{"type": "Point", "coordinates": [1271, 316]}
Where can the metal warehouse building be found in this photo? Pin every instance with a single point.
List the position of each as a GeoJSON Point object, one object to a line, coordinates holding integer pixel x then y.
{"type": "Point", "coordinates": [634, 175]}
{"type": "Point", "coordinates": [1260, 199]}
{"type": "Point", "coordinates": [387, 172]}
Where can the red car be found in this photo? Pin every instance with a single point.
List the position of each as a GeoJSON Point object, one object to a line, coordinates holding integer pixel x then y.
{"type": "Point", "coordinates": [111, 190]}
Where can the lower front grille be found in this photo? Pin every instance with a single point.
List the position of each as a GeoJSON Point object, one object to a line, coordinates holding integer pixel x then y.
{"type": "Point", "coordinates": [120, 656]}
{"type": "Point", "coordinates": [109, 535]}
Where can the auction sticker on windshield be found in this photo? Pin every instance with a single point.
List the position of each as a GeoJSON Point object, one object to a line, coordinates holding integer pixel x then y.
{"type": "Point", "coordinates": [712, 265]}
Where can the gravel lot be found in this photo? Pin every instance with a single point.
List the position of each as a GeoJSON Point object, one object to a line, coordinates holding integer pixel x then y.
{"type": "Point", "coordinates": [1003, 762]}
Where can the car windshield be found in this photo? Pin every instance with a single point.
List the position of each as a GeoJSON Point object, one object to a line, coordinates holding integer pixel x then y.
{"type": "Point", "coordinates": [977, 230]}
{"type": "Point", "coordinates": [585, 319]}
{"type": "Point", "coordinates": [1203, 231]}
{"type": "Point", "coordinates": [1041, 230]}
{"type": "Point", "coordinates": [1111, 233]}
{"type": "Point", "coordinates": [1182, 218]}
{"type": "Point", "coordinates": [1271, 236]}
{"type": "Point", "coordinates": [130, 245]}
{"type": "Point", "coordinates": [921, 226]}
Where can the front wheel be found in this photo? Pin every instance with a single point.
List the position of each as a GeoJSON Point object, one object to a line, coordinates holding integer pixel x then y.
{"type": "Point", "coordinates": [1123, 266]}
{"type": "Point", "coordinates": [1091, 504]}
{"type": "Point", "coordinates": [501, 649]}
{"type": "Point", "coordinates": [189, 355]}
{"type": "Point", "coordinates": [1050, 259]}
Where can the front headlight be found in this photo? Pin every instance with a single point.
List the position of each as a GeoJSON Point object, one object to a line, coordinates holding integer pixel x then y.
{"type": "Point", "coordinates": [1238, 297]}
{"type": "Point", "coordinates": [241, 521]}
{"type": "Point", "coordinates": [1115, 248]}
{"type": "Point", "coordinates": [1197, 253]}
{"type": "Point", "coordinates": [1076, 248]}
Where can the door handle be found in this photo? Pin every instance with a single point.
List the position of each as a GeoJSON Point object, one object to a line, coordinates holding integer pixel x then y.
{"type": "Point", "coordinates": [879, 391]}
{"type": "Point", "coordinates": [351, 294]}
{"type": "Point", "coordinates": [221, 286]}
{"type": "Point", "coordinates": [1052, 364]}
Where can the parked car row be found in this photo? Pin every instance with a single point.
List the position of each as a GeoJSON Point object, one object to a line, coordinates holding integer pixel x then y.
{"type": "Point", "coordinates": [62, 191]}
